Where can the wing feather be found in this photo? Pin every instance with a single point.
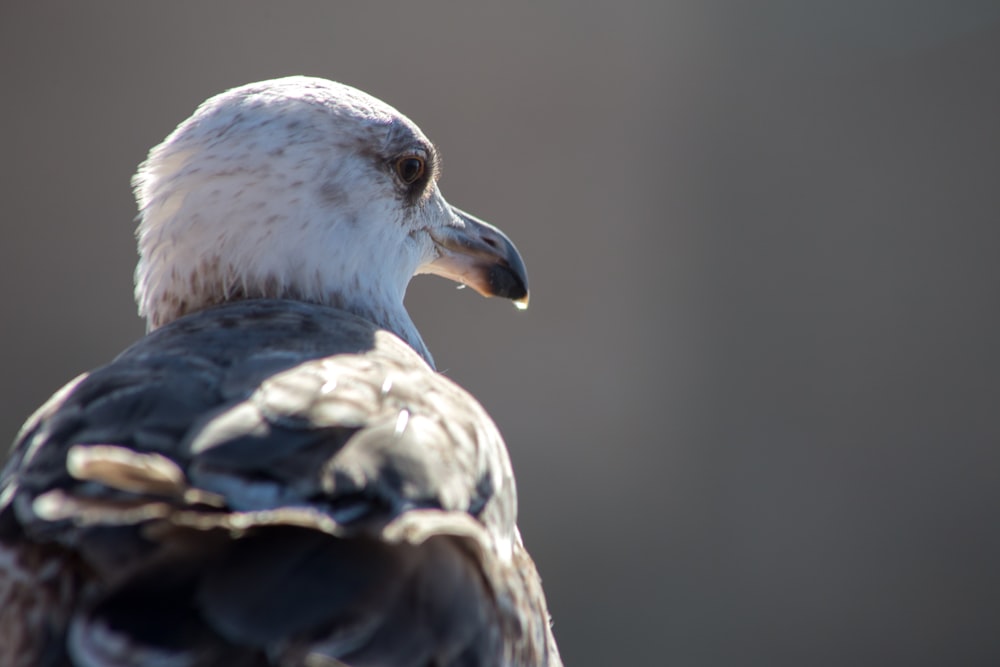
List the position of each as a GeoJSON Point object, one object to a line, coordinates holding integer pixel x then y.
{"type": "Point", "coordinates": [291, 485]}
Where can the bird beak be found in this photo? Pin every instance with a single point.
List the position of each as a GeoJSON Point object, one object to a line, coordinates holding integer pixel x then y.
{"type": "Point", "coordinates": [477, 254]}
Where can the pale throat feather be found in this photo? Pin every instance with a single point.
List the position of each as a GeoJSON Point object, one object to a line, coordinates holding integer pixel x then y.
{"type": "Point", "coordinates": [180, 276]}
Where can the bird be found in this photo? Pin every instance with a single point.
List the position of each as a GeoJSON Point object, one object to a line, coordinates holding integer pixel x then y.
{"type": "Point", "coordinates": [276, 474]}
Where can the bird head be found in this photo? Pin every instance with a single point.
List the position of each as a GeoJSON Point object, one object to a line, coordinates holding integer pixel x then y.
{"type": "Point", "coordinates": [306, 189]}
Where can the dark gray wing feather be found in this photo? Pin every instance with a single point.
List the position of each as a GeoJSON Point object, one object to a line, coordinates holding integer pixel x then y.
{"type": "Point", "coordinates": [273, 483]}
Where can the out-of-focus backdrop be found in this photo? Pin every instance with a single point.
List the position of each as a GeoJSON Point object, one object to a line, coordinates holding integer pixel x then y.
{"type": "Point", "coordinates": [755, 405]}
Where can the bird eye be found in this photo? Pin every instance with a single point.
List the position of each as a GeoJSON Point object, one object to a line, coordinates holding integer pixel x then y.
{"type": "Point", "coordinates": [410, 168]}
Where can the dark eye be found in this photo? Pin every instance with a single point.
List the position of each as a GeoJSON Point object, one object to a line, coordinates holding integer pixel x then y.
{"type": "Point", "coordinates": [410, 168]}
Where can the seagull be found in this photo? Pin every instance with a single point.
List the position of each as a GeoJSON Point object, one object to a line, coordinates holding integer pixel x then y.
{"type": "Point", "coordinates": [275, 475]}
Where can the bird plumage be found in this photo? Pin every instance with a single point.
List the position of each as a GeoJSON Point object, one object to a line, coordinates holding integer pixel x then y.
{"type": "Point", "coordinates": [275, 475]}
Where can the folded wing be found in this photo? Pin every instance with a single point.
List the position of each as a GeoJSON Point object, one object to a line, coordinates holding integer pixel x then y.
{"type": "Point", "coordinates": [289, 484]}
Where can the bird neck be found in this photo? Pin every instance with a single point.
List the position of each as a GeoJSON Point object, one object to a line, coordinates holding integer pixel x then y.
{"type": "Point", "coordinates": [386, 313]}
{"type": "Point", "coordinates": [182, 270]}
{"type": "Point", "coordinates": [389, 315]}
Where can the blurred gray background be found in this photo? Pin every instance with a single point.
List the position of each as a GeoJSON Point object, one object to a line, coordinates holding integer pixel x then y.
{"type": "Point", "coordinates": [755, 405]}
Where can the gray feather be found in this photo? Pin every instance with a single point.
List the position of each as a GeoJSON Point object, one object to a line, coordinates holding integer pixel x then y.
{"type": "Point", "coordinates": [290, 484]}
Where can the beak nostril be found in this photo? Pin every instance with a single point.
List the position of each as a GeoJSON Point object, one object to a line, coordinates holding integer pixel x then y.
{"type": "Point", "coordinates": [492, 243]}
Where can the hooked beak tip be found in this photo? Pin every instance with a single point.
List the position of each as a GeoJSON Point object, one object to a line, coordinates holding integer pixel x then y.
{"type": "Point", "coordinates": [507, 279]}
{"type": "Point", "coordinates": [481, 256]}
